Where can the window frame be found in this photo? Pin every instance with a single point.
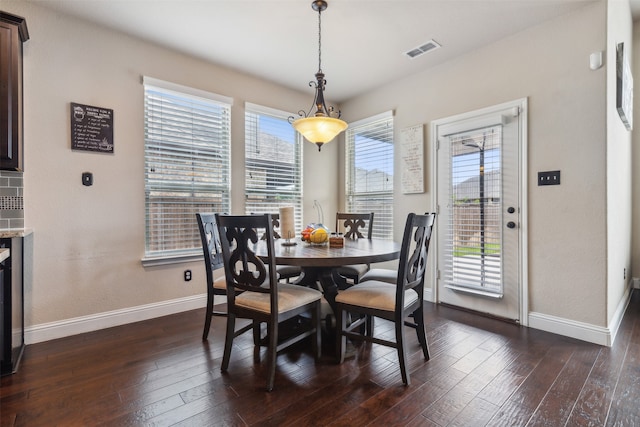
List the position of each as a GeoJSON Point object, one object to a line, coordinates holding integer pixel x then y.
{"type": "Point", "coordinates": [253, 114]}
{"type": "Point", "coordinates": [179, 143]}
{"type": "Point", "coordinates": [360, 201]}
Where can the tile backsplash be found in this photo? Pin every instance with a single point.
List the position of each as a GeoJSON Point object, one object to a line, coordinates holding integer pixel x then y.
{"type": "Point", "coordinates": [11, 200]}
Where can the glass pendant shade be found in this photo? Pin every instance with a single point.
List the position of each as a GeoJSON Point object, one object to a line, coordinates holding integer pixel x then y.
{"type": "Point", "coordinates": [319, 130]}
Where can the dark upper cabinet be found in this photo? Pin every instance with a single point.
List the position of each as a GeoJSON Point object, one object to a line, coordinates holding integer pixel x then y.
{"type": "Point", "coordinates": [13, 33]}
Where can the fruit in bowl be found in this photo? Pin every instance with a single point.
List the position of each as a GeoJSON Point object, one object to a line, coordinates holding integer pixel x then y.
{"type": "Point", "coordinates": [315, 233]}
{"type": "Point", "coordinates": [319, 235]}
{"type": "Point", "coordinates": [306, 233]}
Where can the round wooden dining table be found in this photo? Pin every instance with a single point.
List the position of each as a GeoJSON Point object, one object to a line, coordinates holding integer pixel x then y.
{"type": "Point", "coordinates": [320, 263]}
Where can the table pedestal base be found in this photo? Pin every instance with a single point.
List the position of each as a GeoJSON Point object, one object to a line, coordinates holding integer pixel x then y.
{"type": "Point", "coordinates": [328, 279]}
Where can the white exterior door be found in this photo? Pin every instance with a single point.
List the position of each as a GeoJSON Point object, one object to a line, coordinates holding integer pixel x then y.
{"type": "Point", "coordinates": [480, 186]}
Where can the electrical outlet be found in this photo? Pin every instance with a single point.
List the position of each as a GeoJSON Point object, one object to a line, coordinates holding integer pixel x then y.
{"type": "Point", "coordinates": [187, 275]}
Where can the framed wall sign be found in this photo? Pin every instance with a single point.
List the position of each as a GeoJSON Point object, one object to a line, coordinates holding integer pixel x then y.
{"type": "Point", "coordinates": [412, 159]}
{"type": "Point", "coordinates": [91, 128]}
{"type": "Point", "coordinates": [624, 87]}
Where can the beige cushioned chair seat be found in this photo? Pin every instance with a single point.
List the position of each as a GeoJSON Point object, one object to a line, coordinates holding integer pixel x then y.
{"type": "Point", "coordinates": [380, 274]}
{"type": "Point", "coordinates": [374, 294]}
{"type": "Point", "coordinates": [220, 283]}
{"type": "Point", "coordinates": [289, 270]}
{"type": "Point", "coordinates": [289, 297]}
{"type": "Point", "coordinates": [358, 269]}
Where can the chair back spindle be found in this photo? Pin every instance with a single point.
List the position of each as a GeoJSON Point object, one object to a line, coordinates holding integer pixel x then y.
{"type": "Point", "coordinates": [244, 270]}
{"type": "Point", "coordinates": [275, 226]}
{"type": "Point", "coordinates": [352, 224]}
{"type": "Point", "coordinates": [413, 255]}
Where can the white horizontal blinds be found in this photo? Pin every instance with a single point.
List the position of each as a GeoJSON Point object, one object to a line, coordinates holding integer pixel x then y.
{"type": "Point", "coordinates": [187, 140]}
{"type": "Point", "coordinates": [369, 174]}
{"type": "Point", "coordinates": [473, 259]}
{"type": "Point", "coordinates": [273, 163]}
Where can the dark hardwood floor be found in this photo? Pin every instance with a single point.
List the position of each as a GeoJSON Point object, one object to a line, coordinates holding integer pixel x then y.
{"type": "Point", "coordinates": [482, 372]}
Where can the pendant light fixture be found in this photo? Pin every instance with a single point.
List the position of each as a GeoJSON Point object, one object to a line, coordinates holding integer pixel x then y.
{"type": "Point", "coordinates": [324, 124]}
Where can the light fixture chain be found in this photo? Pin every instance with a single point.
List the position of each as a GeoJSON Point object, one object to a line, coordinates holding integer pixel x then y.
{"type": "Point", "coordinates": [319, 40]}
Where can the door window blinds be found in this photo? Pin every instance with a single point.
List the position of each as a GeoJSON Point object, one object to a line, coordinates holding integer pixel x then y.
{"type": "Point", "coordinates": [369, 171]}
{"type": "Point", "coordinates": [473, 258]}
{"type": "Point", "coordinates": [273, 162]}
{"type": "Point", "coordinates": [187, 140]}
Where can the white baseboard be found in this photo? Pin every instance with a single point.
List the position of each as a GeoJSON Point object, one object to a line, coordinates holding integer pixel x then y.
{"type": "Point", "coordinates": [579, 330]}
{"type": "Point", "coordinates": [94, 322]}
{"type": "Point", "coordinates": [616, 320]}
{"type": "Point", "coordinates": [570, 328]}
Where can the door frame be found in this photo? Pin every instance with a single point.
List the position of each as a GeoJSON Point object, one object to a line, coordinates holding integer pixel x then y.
{"type": "Point", "coordinates": [522, 104]}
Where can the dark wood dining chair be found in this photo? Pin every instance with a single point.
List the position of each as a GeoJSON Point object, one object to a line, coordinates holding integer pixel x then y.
{"type": "Point", "coordinates": [380, 274]}
{"type": "Point", "coordinates": [212, 261]}
{"type": "Point", "coordinates": [263, 298]}
{"type": "Point", "coordinates": [401, 303]}
{"type": "Point", "coordinates": [354, 226]}
{"type": "Point", "coordinates": [285, 272]}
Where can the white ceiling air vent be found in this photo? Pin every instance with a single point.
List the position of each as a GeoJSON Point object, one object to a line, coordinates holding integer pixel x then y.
{"type": "Point", "coordinates": [428, 46]}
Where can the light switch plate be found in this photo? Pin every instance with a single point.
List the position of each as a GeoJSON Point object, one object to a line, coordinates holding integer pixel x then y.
{"type": "Point", "coordinates": [549, 178]}
{"type": "Point", "coordinates": [87, 179]}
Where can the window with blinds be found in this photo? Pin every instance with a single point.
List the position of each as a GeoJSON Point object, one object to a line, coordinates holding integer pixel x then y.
{"type": "Point", "coordinates": [273, 162]}
{"type": "Point", "coordinates": [187, 161]}
{"type": "Point", "coordinates": [473, 259]}
{"type": "Point", "coordinates": [369, 171]}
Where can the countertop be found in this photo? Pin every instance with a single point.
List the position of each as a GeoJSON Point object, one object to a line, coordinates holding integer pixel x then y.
{"type": "Point", "coordinates": [8, 233]}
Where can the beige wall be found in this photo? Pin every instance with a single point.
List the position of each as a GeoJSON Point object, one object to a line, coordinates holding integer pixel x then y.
{"type": "Point", "coordinates": [548, 64]}
{"type": "Point", "coordinates": [89, 240]}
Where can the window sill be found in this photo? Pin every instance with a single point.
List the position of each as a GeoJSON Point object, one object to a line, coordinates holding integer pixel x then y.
{"type": "Point", "coordinates": [170, 259]}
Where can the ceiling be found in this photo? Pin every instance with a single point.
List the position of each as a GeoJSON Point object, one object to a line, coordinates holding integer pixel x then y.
{"type": "Point", "coordinates": [363, 42]}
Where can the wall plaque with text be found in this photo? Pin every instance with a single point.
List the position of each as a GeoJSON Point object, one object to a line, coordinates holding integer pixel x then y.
{"type": "Point", "coordinates": [91, 128]}
{"type": "Point", "coordinates": [412, 159]}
